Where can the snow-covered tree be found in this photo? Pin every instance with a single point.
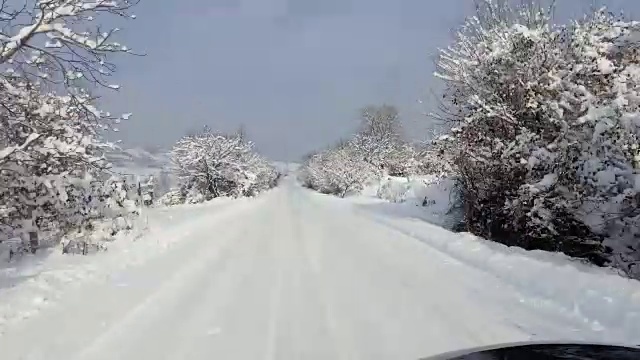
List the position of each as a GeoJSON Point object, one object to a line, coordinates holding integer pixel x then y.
{"type": "Point", "coordinates": [372, 150]}
{"type": "Point", "coordinates": [51, 163]}
{"type": "Point", "coordinates": [52, 172]}
{"type": "Point", "coordinates": [375, 151]}
{"type": "Point", "coordinates": [50, 39]}
{"type": "Point", "coordinates": [337, 172]}
{"type": "Point", "coordinates": [42, 152]}
{"type": "Point", "coordinates": [381, 122]}
{"type": "Point", "coordinates": [379, 139]}
{"type": "Point", "coordinates": [209, 165]}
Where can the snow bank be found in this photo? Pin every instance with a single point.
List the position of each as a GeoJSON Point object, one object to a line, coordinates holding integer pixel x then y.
{"type": "Point", "coordinates": [596, 296]}
{"type": "Point", "coordinates": [599, 297]}
{"type": "Point", "coordinates": [430, 198]}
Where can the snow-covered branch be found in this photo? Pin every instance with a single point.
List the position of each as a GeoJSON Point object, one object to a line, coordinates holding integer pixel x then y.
{"type": "Point", "coordinates": [53, 173]}
{"type": "Point", "coordinates": [51, 46]}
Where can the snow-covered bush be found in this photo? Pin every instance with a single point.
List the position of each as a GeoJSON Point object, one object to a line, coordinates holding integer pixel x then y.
{"type": "Point", "coordinates": [337, 172]}
{"type": "Point", "coordinates": [49, 156]}
{"type": "Point", "coordinates": [109, 207]}
{"type": "Point", "coordinates": [173, 197]}
{"type": "Point", "coordinates": [545, 129]}
{"type": "Point", "coordinates": [209, 165]}
{"type": "Point", "coordinates": [261, 175]}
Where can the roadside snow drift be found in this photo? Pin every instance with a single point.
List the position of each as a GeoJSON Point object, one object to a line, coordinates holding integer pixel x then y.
{"type": "Point", "coordinates": [599, 297]}
{"type": "Point", "coordinates": [431, 198]}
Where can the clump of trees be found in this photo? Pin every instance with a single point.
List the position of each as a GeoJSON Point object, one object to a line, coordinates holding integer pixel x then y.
{"type": "Point", "coordinates": [210, 165]}
{"type": "Point", "coordinates": [54, 180]}
{"type": "Point", "coordinates": [544, 130]}
{"type": "Point", "coordinates": [377, 149]}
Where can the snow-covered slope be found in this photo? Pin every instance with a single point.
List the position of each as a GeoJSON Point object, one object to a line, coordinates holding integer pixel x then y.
{"type": "Point", "coordinates": [298, 275]}
{"type": "Point", "coordinates": [138, 161]}
{"type": "Point", "coordinates": [138, 164]}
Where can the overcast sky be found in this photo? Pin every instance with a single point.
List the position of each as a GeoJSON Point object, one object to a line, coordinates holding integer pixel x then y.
{"type": "Point", "coordinates": [293, 72]}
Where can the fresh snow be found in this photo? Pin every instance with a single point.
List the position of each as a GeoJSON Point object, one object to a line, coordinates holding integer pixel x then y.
{"type": "Point", "coordinates": [40, 279]}
{"type": "Point", "coordinates": [430, 198]}
{"type": "Point", "coordinates": [294, 274]}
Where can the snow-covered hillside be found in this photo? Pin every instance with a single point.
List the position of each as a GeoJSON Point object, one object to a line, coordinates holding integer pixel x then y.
{"type": "Point", "coordinates": [138, 160]}
{"type": "Point", "coordinates": [139, 164]}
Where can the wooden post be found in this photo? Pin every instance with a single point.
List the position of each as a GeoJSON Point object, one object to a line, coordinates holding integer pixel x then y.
{"type": "Point", "coordinates": [33, 241]}
{"type": "Point", "coordinates": [33, 233]}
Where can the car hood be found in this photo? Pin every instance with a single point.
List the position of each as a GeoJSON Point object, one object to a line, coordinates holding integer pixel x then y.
{"type": "Point", "coordinates": [544, 351]}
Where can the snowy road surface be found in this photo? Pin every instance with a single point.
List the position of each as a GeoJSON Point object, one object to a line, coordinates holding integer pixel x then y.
{"type": "Point", "coordinates": [290, 275]}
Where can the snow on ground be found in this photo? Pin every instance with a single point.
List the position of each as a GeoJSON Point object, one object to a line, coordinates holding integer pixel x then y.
{"type": "Point", "coordinates": [300, 275]}
{"type": "Point", "coordinates": [596, 296]}
{"type": "Point", "coordinates": [35, 282]}
{"type": "Point", "coordinates": [430, 198]}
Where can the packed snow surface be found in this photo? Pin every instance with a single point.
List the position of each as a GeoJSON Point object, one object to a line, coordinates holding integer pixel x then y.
{"type": "Point", "coordinates": [298, 275]}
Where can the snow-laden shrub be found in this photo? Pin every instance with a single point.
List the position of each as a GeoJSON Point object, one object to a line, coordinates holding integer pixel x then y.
{"type": "Point", "coordinates": [210, 165]}
{"type": "Point", "coordinates": [545, 133]}
{"type": "Point", "coordinates": [109, 208]}
{"type": "Point", "coordinates": [173, 197]}
{"type": "Point", "coordinates": [432, 160]}
{"type": "Point", "coordinates": [604, 157]}
{"type": "Point", "coordinates": [338, 172]}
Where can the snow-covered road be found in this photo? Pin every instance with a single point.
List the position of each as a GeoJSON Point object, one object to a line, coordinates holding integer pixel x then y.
{"type": "Point", "coordinates": [290, 275]}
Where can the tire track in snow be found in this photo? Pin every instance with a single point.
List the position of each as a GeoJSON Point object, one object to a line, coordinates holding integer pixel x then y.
{"type": "Point", "coordinates": [275, 303]}
{"type": "Point", "coordinates": [311, 238]}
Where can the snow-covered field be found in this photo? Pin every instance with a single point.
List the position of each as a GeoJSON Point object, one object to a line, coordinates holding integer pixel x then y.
{"type": "Point", "coordinates": [298, 275]}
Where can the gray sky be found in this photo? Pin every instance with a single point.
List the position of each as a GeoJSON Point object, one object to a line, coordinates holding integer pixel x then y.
{"type": "Point", "coordinates": [294, 72]}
